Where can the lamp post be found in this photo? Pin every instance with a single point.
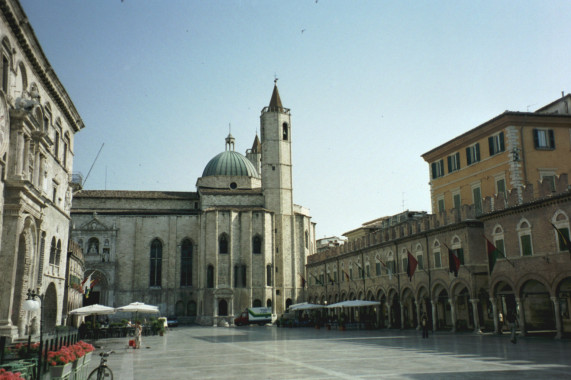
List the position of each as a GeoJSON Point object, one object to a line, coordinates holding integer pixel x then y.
{"type": "Point", "coordinates": [32, 305]}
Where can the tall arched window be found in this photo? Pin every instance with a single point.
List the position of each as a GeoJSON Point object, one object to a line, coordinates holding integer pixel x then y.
{"type": "Point", "coordinates": [269, 275]}
{"type": "Point", "coordinates": [210, 276]}
{"type": "Point", "coordinates": [285, 133]}
{"type": "Point", "coordinates": [223, 243]}
{"type": "Point", "coordinates": [257, 244]}
{"type": "Point", "coordinates": [306, 239]}
{"type": "Point", "coordinates": [186, 263]}
{"type": "Point", "coordinates": [53, 251]}
{"type": "Point", "coordinates": [156, 262]}
{"type": "Point", "coordinates": [58, 253]}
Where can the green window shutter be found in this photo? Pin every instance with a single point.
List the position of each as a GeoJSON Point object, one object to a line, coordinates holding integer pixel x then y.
{"type": "Point", "coordinates": [535, 138]}
{"type": "Point", "coordinates": [491, 145]}
{"type": "Point", "coordinates": [460, 253]}
{"type": "Point", "coordinates": [437, 260]}
{"type": "Point", "coordinates": [526, 245]}
{"type": "Point", "coordinates": [477, 155]}
{"type": "Point", "coordinates": [502, 146]}
{"type": "Point", "coordinates": [551, 139]}
{"type": "Point", "coordinates": [500, 246]}
{"type": "Point", "coordinates": [378, 268]}
{"type": "Point", "coordinates": [564, 232]}
{"type": "Point", "coordinates": [468, 156]}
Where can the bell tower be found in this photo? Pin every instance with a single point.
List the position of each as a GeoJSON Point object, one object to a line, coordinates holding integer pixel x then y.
{"type": "Point", "coordinates": [276, 174]}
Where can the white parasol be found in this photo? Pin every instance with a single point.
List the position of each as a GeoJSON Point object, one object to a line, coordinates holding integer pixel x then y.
{"type": "Point", "coordinates": [93, 310]}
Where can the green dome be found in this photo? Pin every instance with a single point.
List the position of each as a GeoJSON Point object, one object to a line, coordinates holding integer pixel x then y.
{"type": "Point", "coordinates": [230, 163]}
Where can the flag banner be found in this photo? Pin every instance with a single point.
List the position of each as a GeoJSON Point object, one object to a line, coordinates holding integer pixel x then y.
{"type": "Point", "coordinates": [346, 275]}
{"type": "Point", "coordinates": [563, 240]}
{"type": "Point", "coordinates": [86, 284]}
{"type": "Point", "coordinates": [493, 254]}
{"type": "Point", "coordinates": [411, 267]}
{"type": "Point", "coordinates": [330, 279]}
{"type": "Point", "coordinates": [453, 262]}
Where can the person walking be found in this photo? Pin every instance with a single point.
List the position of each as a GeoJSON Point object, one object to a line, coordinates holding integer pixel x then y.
{"type": "Point", "coordinates": [511, 318]}
{"type": "Point", "coordinates": [138, 334]}
{"type": "Point", "coordinates": [424, 323]}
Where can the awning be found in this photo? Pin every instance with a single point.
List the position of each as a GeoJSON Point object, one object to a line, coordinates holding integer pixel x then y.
{"type": "Point", "coordinates": [353, 303]}
{"type": "Point", "coordinates": [305, 306]}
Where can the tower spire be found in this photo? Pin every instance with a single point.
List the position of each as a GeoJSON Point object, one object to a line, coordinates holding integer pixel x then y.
{"type": "Point", "coordinates": [275, 101]}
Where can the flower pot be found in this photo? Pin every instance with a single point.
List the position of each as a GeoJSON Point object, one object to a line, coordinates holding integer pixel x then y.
{"type": "Point", "coordinates": [59, 371]}
{"type": "Point", "coordinates": [87, 357]}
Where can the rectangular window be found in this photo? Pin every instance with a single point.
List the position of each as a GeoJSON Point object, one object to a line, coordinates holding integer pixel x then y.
{"type": "Point", "coordinates": [437, 169]}
{"type": "Point", "coordinates": [501, 187]}
{"type": "Point", "coordinates": [404, 265]}
{"type": "Point", "coordinates": [473, 154]}
{"type": "Point", "coordinates": [477, 195]}
{"type": "Point", "coordinates": [322, 279]}
{"type": "Point", "coordinates": [543, 139]}
{"type": "Point", "coordinates": [550, 179]}
{"type": "Point", "coordinates": [437, 260]}
{"type": "Point", "coordinates": [496, 143]}
{"type": "Point", "coordinates": [420, 262]}
{"type": "Point", "coordinates": [392, 267]}
{"type": "Point", "coordinates": [454, 162]}
{"type": "Point", "coordinates": [564, 232]}
{"type": "Point", "coordinates": [351, 273]}
{"type": "Point", "coordinates": [457, 201]}
{"type": "Point", "coordinates": [335, 276]}
{"type": "Point", "coordinates": [368, 271]}
{"type": "Point", "coordinates": [378, 268]}
{"type": "Point", "coordinates": [441, 206]}
{"type": "Point", "coordinates": [525, 241]}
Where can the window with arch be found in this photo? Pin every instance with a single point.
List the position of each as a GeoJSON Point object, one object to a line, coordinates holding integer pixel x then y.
{"type": "Point", "coordinates": [186, 263]}
{"type": "Point", "coordinates": [285, 132]}
{"type": "Point", "coordinates": [156, 258]}
{"type": "Point", "coordinates": [268, 275]}
{"type": "Point", "coordinates": [66, 144]}
{"type": "Point", "coordinates": [257, 244]}
{"type": "Point", "coordinates": [498, 238]}
{"type": "Point", "coordinates": [210, 276]}
{"type": "Point", "coordinates": [93, 246]}
{"type": "Point", "coordinates": [53, 251]}
{"type": "Point", "coordinates": [223, 243]}
{"type": "Point", "coordinates": [391, 263]}
{"type": "Point", "coordinates": [457, 249]}
{"type": "Point", "coordinates": [378, 269]}
{"type": "Point", "coordinates": [306, 239]}
{"type": "Point", "coordinates": [257, 303]}
{"type": "Point", "coordinates": [419, 256]}
{"type": "Point", "coordinates": [404, 259]}
{"type": "Point", "coordinates": [240, 276]}
{"type": "Point", "coordinates": [6, 60]}
{"type": "Point", "coordinates": [58, 253]}
{"type": "Point", "coordinates": [23, 76]}
{"type": "Point", "coordinates": [57, 138]}
{"type": "Point", "coordinates": [343, 273]}
{"type": "Point", "coordinates": [437, 255]}
{"type": "Point", "coordinates": [47, 117]}
{"type": "Point", "coordinates": [268, 303]}
{"type": "Point", "coordinates": [525, 242]}
{"type": "Point", "coordinates": [561, 222]}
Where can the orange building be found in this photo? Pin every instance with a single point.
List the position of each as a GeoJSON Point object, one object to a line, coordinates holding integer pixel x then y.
{"type": "Point", "coordinates": [510, 151]}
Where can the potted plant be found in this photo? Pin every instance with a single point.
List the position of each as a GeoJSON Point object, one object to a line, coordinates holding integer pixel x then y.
{"type": "Point", "coordinates": [60, 361]}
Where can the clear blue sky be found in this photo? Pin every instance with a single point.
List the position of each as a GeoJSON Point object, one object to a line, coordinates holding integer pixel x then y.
{"type": "Point", "coordinates": [372, 85]}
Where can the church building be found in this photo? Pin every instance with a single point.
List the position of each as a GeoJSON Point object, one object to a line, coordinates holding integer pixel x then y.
{"type": "Point", "coordinates": [239, 241]}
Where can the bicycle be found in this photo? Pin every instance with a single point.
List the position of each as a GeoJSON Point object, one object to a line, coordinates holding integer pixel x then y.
{"type": "Point", "coordinates": [102, 372]}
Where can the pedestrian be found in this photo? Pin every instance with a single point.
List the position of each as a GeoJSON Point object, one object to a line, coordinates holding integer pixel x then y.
{"type": "Point", "coordinates": [424, 323]}
{"type": "Point", "coordinates": [138, 333]}
{"type": "Point", "coordinates": [511, 318]}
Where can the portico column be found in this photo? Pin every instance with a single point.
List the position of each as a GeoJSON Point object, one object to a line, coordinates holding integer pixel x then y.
{"type": "Point", "coordinates": [521, 317]}
{"type": "Point", "coordinates": [434, 316]}
{"type": "Point", "coordinates": [452, 313]}
{"type": "Point", "coordinates": [215, 308]}
{"type": "Point", "coordinates": [495, 314]}
{"type": "Point", "coordinates": [474, 302]}
{"type": "Point", "coordinates": [390, 324]}
{"type": "Point", "coordinates": [417, 316]}
{"type": "Point", "coordinates": [555, 301]}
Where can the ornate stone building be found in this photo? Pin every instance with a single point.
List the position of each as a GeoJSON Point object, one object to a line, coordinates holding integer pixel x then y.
{"type": "Point", "coordinates": [38, 122]}
{"type": "Point", "coordinates": [238, 242]}
{"type": "Point", "coordinates": [530, 153]}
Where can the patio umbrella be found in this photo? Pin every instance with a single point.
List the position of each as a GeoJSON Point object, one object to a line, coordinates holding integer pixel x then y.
{"type": "Point", "coordinates": [305, 306]}
{"type": "Point", "coordinates": [139, 307]}
{"type": "Point", "coordinates": [93, 310]}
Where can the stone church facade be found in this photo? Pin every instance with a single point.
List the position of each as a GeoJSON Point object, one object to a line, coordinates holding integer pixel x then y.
{"type": "Point", "coordinates": [38, 122]}
{"type": "Point", "coordinates": [237, 242]}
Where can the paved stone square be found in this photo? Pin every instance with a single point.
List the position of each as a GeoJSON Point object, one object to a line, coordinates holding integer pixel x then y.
{"type": "Point", "coordinates": [305, 353]}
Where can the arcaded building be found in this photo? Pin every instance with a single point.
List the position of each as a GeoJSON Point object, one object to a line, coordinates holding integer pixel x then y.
{"type": "Point", "coordinates": [238, 241]}
{"type": "Point", "coordinates": [506, 182]}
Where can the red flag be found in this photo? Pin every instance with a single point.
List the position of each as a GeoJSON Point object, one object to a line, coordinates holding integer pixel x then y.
{"type": "Point", "coordinates": [492, 254]}
{"type": "Point", "coordinates": [346, 275]}
{"type": "Point", "coordinates": [411, 267]}
{"type": "Point", "coordinates": [453, 261]}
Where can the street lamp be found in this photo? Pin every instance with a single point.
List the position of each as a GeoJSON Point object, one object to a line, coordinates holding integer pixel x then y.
{"type": "Point", "coordinates": [32, 305]}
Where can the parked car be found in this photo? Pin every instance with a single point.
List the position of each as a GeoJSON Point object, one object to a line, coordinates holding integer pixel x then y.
{"type": "Point", "coordinates": [172, 321]}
